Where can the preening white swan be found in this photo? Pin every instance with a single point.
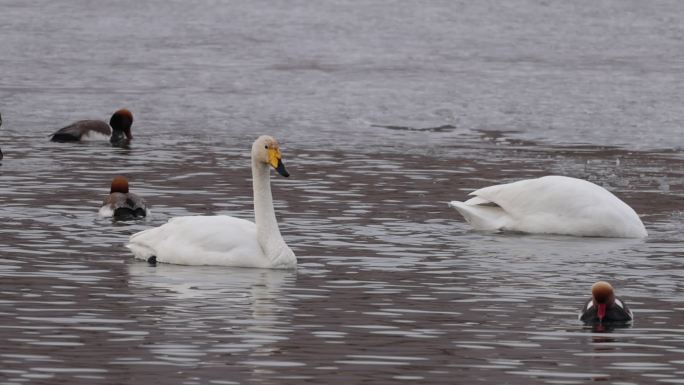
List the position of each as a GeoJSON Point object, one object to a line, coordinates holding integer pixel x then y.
{"type": "Point", "coordinates": [224, 240]}
{"type": "Point", "coordinates": [551, 205]}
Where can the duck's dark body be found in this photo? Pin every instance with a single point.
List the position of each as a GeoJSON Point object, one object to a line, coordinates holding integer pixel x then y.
{"type": "Point", "coordinates": [615, 312]}
{"type": "Point", "coordinates": [126, 206]}
{"type": "Point", "coordinates": [76, 131]}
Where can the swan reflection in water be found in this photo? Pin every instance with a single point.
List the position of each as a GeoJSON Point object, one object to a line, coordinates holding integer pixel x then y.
{"type": "Point", "coordinates": [214, 310]}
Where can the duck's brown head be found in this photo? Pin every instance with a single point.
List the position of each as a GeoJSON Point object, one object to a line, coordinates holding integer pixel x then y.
{"type": "Point", "coordinates": [602, 292]}
{"type": "Point", "coordinates": [603, 295]}
{"type": "Point", "coordinates": [122, 120]}
{"type": "Point", "coordinates": [120, 185]}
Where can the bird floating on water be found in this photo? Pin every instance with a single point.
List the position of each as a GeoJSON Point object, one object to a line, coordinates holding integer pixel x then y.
{"type": "Point", "coordinates": [119, 133]}
{"type": "Point", "coordinates": [551, 205]}
{"type": "Point", "coordinates": [224, 240]}
{"type": "Point", "coordinates": [121, 204]}
{"type": "Point", "coordinates": [604, 307]}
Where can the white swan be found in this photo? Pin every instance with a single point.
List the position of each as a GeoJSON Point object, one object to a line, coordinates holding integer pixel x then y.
{"type": "Point", "coordinates": [551, 205]}
{"type": "Point", "coordinates": [224, 240]}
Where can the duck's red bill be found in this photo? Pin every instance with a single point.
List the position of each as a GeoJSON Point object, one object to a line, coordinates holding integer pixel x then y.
{"type": "Point", "coordinates": [601, 312]}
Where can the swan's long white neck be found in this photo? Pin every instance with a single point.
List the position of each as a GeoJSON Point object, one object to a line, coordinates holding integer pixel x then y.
{"type": "Point", "coordinates": [268, 234]}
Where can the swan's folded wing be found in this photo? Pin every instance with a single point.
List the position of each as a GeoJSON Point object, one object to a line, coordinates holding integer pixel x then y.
{"type": "Point", "coordinates": [546, 195]}
{"type": "Point", "coordinates": [511, 197]}
{"type": "Point", "coordinates": [481, 214]}
{"type": "Point", "coordinates": [200, 240]}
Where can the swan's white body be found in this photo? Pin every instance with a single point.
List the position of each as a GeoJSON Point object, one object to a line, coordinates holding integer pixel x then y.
{"type": "Point", "coordinates": [207, 240]}
{"type": "Point", "coordinates": [551, 205]}
{"type": "Point", "coordinates": [223, 240]}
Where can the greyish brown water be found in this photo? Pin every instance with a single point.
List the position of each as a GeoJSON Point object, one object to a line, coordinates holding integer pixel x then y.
{"type": "Point", "coordinates": [385, 111]}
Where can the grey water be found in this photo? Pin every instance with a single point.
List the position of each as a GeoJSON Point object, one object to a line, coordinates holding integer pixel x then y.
{"type": "Point", "coordinates": [385, 111]}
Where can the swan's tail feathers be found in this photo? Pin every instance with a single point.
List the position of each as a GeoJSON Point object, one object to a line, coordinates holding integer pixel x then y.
{"type": "Point", "coordinates": [481, 214]}
{"type": "Point", "coordinates": [141, 251]}
{"type": "Point", "coordinates": [139, 243]}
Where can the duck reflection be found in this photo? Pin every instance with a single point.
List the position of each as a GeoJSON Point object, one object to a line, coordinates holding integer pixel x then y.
{"type": "Point", "coordinates": [608, 327]}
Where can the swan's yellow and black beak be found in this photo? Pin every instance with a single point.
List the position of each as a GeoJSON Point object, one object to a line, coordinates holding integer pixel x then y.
{"type": "Point", "coordinates": [276, 162]}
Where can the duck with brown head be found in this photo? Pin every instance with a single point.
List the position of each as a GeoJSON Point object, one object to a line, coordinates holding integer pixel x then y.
{"type": "Point", "coordinates": [121, 204]}
{"type": "Point", "coordinates": [604, 307]}
{"type": "Point", "coordinates": [119, 133]}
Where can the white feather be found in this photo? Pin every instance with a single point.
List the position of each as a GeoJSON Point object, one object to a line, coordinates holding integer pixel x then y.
{"type": "Point", "coordinates": [106, 212]}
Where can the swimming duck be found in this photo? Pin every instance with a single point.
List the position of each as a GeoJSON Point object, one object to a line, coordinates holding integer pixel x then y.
{"type": "Point", "coordinates": [551, 205]}
{"type": "Point", "coordinates": [120, 123]}
{"type": "Point", "coordinates": [121, 204]}
{"type": "Point", "coordinates": [224, 240]}
{"type": "Point", "coordinates": [604, 307]}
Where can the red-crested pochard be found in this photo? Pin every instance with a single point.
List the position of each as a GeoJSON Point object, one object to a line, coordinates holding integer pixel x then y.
{"type": "Point", "coordinates": [604, 307]}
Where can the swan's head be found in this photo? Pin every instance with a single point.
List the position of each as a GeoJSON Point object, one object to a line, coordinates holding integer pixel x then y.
{"type": "Point", "coordinates": [120, 185]}
{"type": "Point", "coordinates": [266, 150]}
{"type": "Point", "coordinates": [603, 295]}
{"type": "Point", "coordinates": [122, 120]}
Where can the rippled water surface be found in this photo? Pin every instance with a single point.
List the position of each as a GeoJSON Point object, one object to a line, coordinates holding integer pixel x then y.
{"type": "Point", "coordinates": [385, 111]}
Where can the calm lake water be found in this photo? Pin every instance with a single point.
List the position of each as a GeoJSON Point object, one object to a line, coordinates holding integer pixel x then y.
{"type": "Point", "coordinates": [385, 111]}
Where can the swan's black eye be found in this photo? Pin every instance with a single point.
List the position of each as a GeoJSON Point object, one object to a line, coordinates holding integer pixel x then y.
{"type": "Point", "coordinates": [266, 147]}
